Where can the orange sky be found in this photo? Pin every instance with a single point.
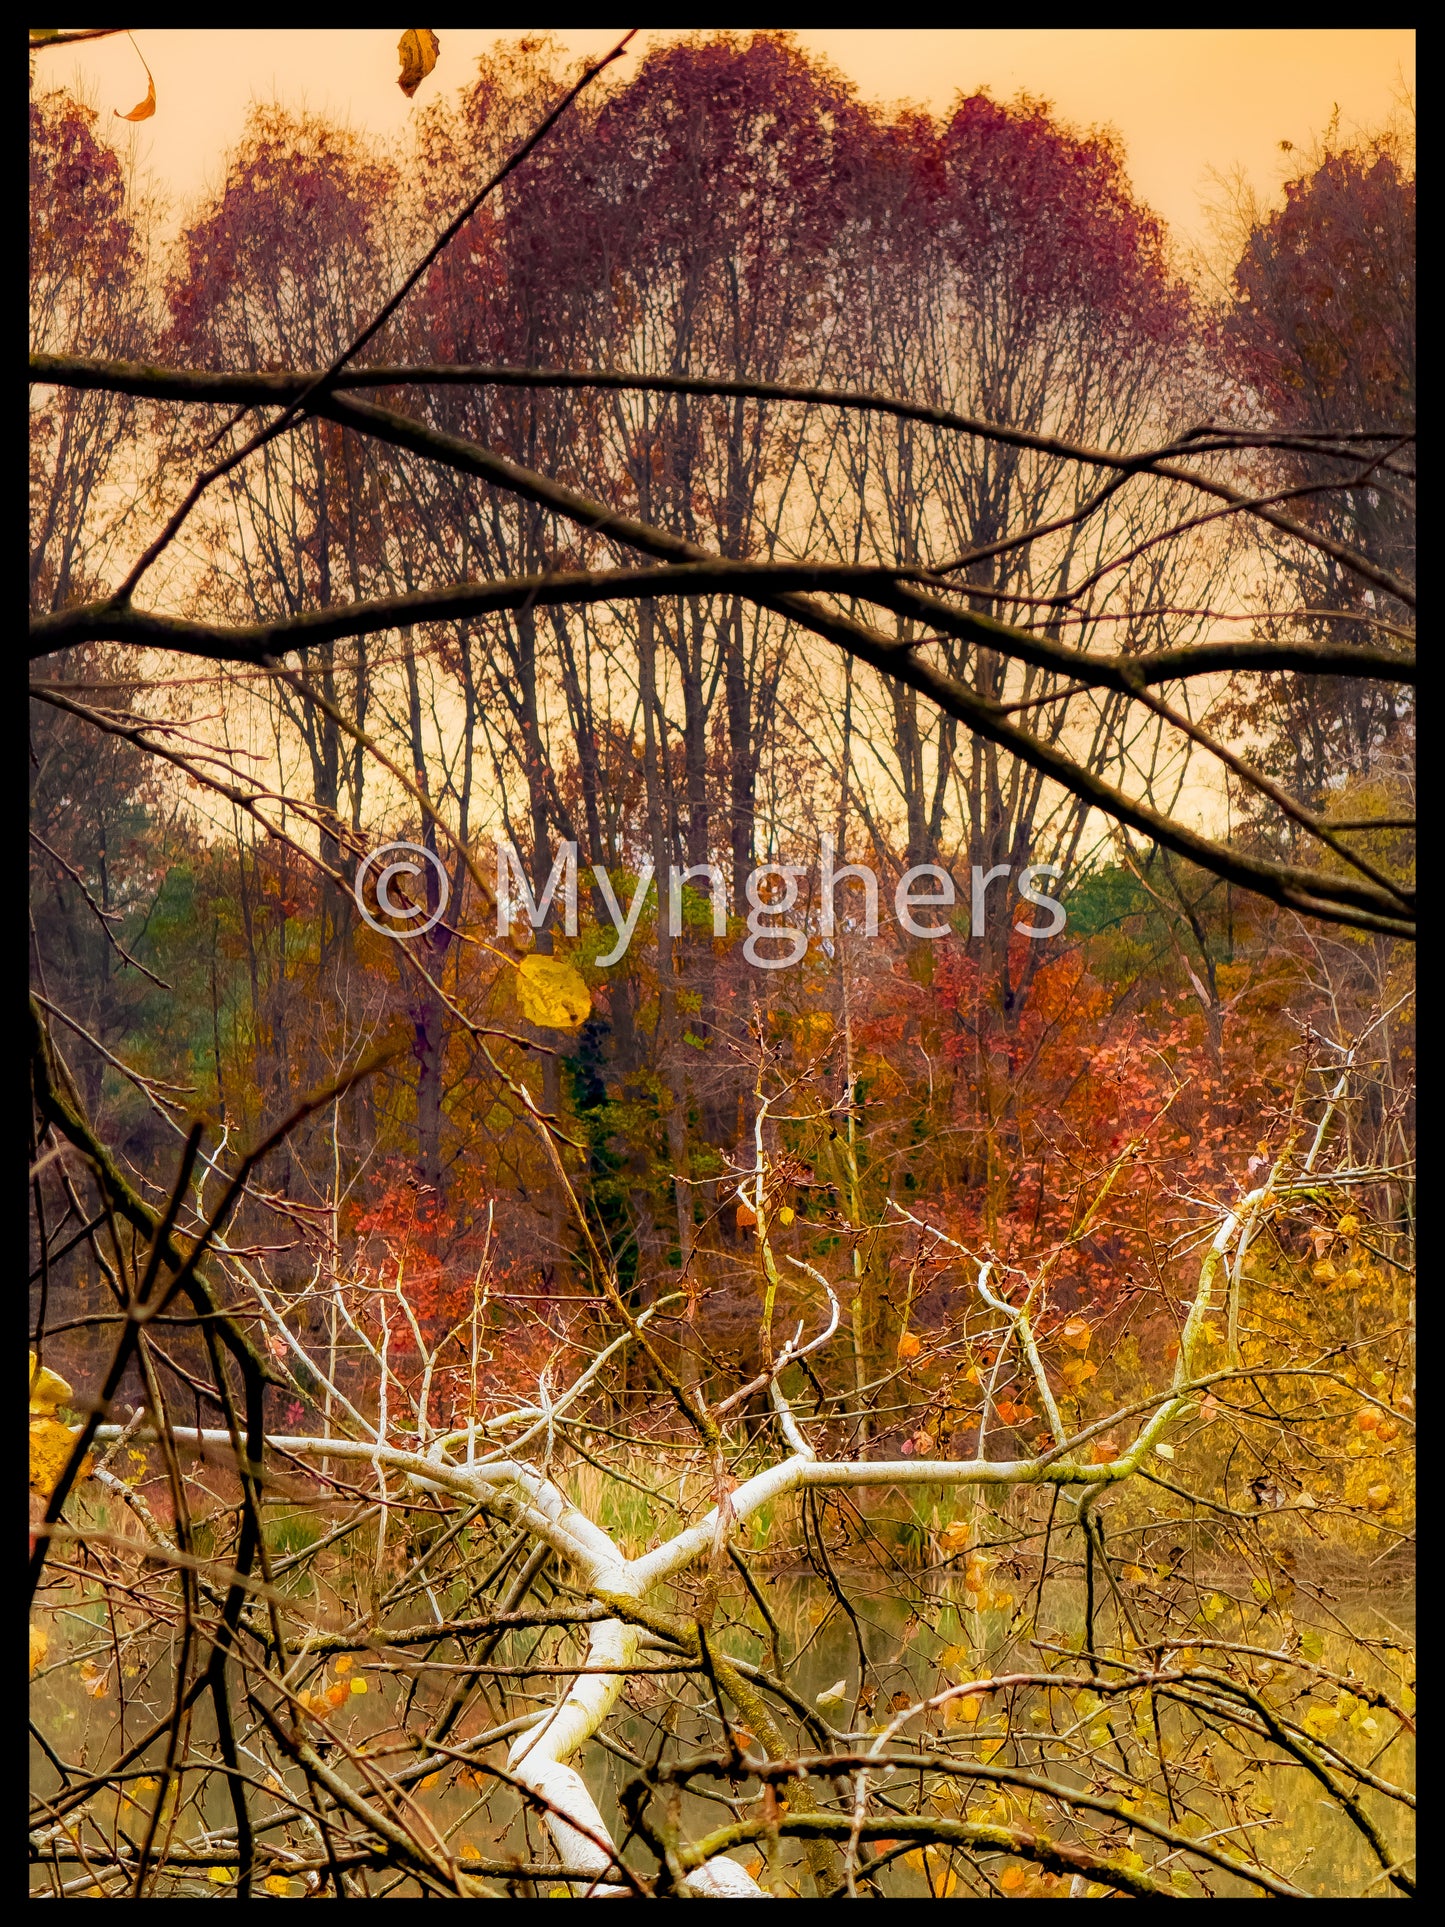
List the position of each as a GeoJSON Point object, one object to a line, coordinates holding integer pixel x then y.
{"type": "Point", "coordinates": [1185, 101]}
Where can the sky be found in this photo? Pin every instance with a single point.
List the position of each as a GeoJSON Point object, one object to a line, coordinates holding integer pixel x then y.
{"type": "Point", "coordinates": [1189, 103]}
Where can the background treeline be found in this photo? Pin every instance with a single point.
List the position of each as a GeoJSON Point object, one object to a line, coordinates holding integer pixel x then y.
{"type": "Point", "coordinates": [733, 212]}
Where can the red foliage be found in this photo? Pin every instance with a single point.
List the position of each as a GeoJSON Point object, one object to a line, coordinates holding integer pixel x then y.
{"type": "Point", "coordinates": [1025, 203]}
{"type": "Point", "coordinates": [301, 207]}
{"type": "Point", "coordinates": [1324, 325]}
{"type": "Point", "coordinates": [79, 224]}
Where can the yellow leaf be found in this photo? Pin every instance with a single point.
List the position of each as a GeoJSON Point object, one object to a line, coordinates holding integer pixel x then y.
{"type": "Point", "coordinates": [551, 993]}
{"type": "Point", "coordinates": [1135, 1576]}
{"type": "Point", "coordinates": [418, 48]}
{"type": "Point", "coordinates": [786, 1215]}
{"type": "Point", "coordinates": [955, 1535]}
{"type": "Point", "coordinates": [143, 109]}
{"type": "Point", "coordinates": [954, 1656]}
{"type": "Point", "coordinates": [47, 1390]}
{"type": "Point", "coordinates": [220, 1876]}
{"type": "Point", "coordinates": [1379, 1498]}
{"type": "Point", "coordinates": [909, 1345]}
{"type": "Point", "coordinates": [39, 1646]}
{"type": "Point", "coordinates": [1321, 1720]}
{"type": "Point", "coordinates": [50, 1448]}
{"type": "Point", "coordinates": [278, 1884]}
{"type": "Point", "coordinates": [987, 1748]}
{"type": "Point", "coordinates": [966, 1710]}
{"type": "Point", "coordinates": [345, 1663]}
{"type": "Point", "coordinates": [1348, 1226]}
{"type": "Point", "coordinates": [358, 1685]}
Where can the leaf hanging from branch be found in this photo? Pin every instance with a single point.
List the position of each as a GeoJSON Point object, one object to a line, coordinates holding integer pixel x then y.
{"type": "Point", "coordinates": [143, 109]}
{"type": "Point", "coordinates": [418, 48]}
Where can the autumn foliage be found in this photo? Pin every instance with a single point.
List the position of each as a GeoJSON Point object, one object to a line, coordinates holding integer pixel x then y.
{"type": "Point", "coordinates": [545, 1147]}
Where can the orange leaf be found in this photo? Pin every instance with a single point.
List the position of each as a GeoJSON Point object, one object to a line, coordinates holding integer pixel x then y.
{"type": "Point", "coordinates": [143, 109]}
{"type": "Point", "coordinates": [909, 1345]}
{"type": "Point", "coordinates": [1105, 1450]}
{"type": "Point", "coordinates": [746, 1216]}
{"type": "Point", "coordinates": [1076, 1334]}
{"type": "Point", "coordinates": [418, 48]}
